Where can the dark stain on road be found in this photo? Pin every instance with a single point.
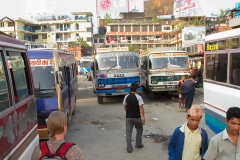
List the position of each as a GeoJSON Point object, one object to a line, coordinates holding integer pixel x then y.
{"type": "Point", "coordinates": [158, 138]}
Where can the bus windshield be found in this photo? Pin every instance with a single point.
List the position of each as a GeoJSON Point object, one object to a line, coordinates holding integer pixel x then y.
{"type": "Point", "coordinates": [163, 62]}
{"type": "Point", "coordinates": [43, 77]}
{"type": "Point", "coordinates": [123, 60]}
{"type": "Point", "coordinates": [85, 63]}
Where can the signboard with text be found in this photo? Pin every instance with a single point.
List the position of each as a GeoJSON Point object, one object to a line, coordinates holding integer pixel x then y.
{"type": "Point", "coordinates": [193, 35]}
{"type": "Point", "coordinates": [41, 62]}
{"type": "Point", "coordinates": [112, 6]}
{"type": "Point", "coordinates": [184, 5]}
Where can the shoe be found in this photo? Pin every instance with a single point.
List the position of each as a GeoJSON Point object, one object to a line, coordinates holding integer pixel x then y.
{"type": "Point", "coordinates": [139, 146]}
{"type": "Point", "coordinates": [129, 151]}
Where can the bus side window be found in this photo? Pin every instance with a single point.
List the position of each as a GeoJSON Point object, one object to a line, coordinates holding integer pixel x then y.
{"type": "Point", "coordinates": [63, 71]}
{"type": "Point", "coordinates": [20, 75]}
{"type": "Point", "coordinates": [4, 90]}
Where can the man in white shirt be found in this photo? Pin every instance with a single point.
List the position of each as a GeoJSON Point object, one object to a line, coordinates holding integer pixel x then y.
{"type": "Point", "coordinates": [226, 144]}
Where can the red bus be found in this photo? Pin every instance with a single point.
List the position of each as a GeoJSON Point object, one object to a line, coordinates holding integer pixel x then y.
{"type": "Point", "coordinates": [18, 116]}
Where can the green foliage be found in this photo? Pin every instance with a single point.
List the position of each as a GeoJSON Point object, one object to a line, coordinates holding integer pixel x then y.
{"type": "Point", "coordinates": [85, 46]}
{"type": "Point", "coordinates": [107, 18]}
{"type": "Point", "coordinates": [222, 17]}
{"type": "Point", "coordinates": [131, 48]}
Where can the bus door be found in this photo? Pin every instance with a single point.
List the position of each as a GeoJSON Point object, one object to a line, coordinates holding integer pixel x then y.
{"type": "Point", "coordinates": [68, 85]}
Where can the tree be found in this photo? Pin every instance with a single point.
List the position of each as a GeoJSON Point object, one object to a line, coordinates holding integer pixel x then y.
{"type": "Point", "coordinates": [107, 18]}
{"type": "Point", "coordinates": [222, 17]}
{"type": "Point", "coordinates": [85, 46]}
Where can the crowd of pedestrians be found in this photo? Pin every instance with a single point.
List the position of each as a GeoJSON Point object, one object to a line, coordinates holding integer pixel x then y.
{"type": "Point", "coordinates": [188, 142]}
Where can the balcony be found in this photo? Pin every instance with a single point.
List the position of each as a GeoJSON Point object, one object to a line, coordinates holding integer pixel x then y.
{"type": "Point", "coordinates": [44, 30]}
{"type": "Point", "coordinates": [6, 29]}
{"type": "Point", "coordinates": [234, 22]}
{"type": "Point", "coordinates": [147, 41]}
{"type": "Point", "coordinates": [25, 28]}
{"type": "Point", "coordinates": [132, 21]}
{"type": "Point", "coordinates": [40, 40]}
{"type": "Point", "coordinates": [25, 38]}
{"type": "Point", "coordinates": [65, 39]}
{"type": "Point", "coordinates": [61, 29]}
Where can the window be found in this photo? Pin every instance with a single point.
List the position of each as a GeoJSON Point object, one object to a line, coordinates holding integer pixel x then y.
{"type": "Point", "coordinates": [217, 67]}
{"type": "Point", "coordinates": [157, 28]}
{"type": "Point", "coordinates": [20, 75]}
{"type": "Point", "coordinates": [89, 39]}
{"type": "Point", "coordinates": [4, 90]}
{"type": "Point", "coordinates": [121, 29]}
{"type": "Point", "coordinates": [114, 28]}
{"type": "Point", "coordinates": [101, 40]}
{"type": "Point", "coordinates": [144, 28]}
{"type": "Point", "coordinates": [44, 36]}
{"type": "Point", "coordinates": [95, 40]}
{"type": "Point", "coordinates": [150, 28]}
{"type": "Point", "coordinates": [136, 28]}
{"type": "Point", "coordinates": [127, 28]}
{"type": "Point", "coordinates": [166, 28]}
{"type": "Point", "coordinates": [2, 24]}
{"type": "Point", "coordinates": [10, 24]}
{"type": "Point", "coordinates": [144, 62]}
{"type": "Point", "coordinates": [235, 69]}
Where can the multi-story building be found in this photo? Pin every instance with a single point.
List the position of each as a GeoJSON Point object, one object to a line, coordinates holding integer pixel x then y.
{"type": "Point", "coordinates": [136, 30]}
{"type": "Point", "coordinates": [234, 21]}
{"type": "Point", "coordinates": [50, 30]}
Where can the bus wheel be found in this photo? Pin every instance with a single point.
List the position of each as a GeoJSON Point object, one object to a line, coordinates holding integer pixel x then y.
{"type": "Point", "coordinates": [100, 100]}
{"type": "Point", "coordinates": [150, 94]}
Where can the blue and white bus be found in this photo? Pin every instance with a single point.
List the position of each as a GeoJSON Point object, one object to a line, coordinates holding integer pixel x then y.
{"type": "Point", "coordinates": [114, 70]}
{"type": "Point", "coordinates": [221, 77]}
{"type": "Point", "coordinates": [55, 83]}
{"type": "Point", "coordinates": [85, 66]}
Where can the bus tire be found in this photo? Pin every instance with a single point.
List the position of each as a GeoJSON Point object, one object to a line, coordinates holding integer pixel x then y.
{"type": "Point", "coordinates": [100, 100]}
{"type": "Point", "coordinates": [150, 94]}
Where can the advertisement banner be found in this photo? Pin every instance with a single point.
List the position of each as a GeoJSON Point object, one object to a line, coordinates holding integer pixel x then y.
{"type": "Point", "coordinates": [112, 6]}
{"type": "Point", "coordinates": [193, 35]}
{"type": "Point", "coordinates": [184, 5]}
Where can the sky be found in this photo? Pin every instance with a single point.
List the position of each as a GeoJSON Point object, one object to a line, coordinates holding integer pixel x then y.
{"type": "Point", "coordinates": [29, 8]}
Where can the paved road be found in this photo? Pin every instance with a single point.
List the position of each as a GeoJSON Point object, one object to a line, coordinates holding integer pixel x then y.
{"type": "Point", "coordinates": [100, 129]}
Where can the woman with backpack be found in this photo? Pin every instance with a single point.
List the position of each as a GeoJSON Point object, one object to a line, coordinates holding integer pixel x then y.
{"type": "Point", "coordinates": [56, 148]}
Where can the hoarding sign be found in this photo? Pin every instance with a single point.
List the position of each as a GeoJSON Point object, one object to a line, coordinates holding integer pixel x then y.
{"type": "Point", "coordinates": [184, 5]}
{"type": "Point", "coordinates": [112, 6]}
{"type": "Point", "coordinates": [193, 35]}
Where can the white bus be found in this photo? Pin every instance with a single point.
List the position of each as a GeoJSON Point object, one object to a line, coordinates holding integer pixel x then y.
{"type": "Point", "coordinates": [161, 71]}
{"type": "Point", "coordinates": [221, 76]}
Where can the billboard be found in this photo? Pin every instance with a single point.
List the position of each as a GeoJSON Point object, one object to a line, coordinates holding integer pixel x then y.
{"type": "Point", "coordinates": [158, 7]}
{"type": "Point", "coordinates": [193, 35]}
{"type": "Point", "coordinates": [112, 6]}
{"type": "Point", "coordinates": [184, 5]}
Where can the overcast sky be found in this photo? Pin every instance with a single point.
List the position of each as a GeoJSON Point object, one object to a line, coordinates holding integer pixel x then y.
{"type": "Point", "coordinates": [25, 8]}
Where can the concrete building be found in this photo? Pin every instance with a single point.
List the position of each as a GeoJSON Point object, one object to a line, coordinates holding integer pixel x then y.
{"type": "Point", "coordinates": [136, 30]}
{"type": "Point", "coordinates": [48, 30]}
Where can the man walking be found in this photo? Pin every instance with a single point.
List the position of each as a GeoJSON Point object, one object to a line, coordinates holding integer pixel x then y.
{"type": "Point", "coordinates": [189, 141]}
{"type": "Point", "coordinates": [133, 105]}
{"type": "Point", "coordinates": [188, 88]}
{"type": "Point", "coordinates": [226, 144]}
{"type": "Point", "coordinates": [180, 92]}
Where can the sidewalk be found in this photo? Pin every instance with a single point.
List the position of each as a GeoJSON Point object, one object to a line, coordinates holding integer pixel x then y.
{"type": "Point", "coordinates": [199, 89]}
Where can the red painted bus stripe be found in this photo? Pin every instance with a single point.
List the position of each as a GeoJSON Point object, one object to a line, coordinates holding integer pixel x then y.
{"type": "Point", "coordinates": [215, 107]}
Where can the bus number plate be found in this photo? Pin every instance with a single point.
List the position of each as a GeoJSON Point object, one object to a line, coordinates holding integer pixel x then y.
{"type": "Point", "coordinates": [120, 91]}
{"type": "Point", "coordinates": [171, 87]}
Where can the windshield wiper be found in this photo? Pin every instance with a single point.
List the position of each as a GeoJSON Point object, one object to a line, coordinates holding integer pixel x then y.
{"type": "Point", "coordinates": [111, 68]}
{"type": "Point", "coordinates": [163, 66]}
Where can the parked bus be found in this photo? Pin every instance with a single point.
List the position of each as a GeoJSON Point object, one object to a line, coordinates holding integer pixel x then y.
{"type": "Point", "coordinates": [161, 71]}
{"type": "Point", "coordinates": [114, 70]}
{"type": "Point", "coordinates": [85, 66]}
{"type": "Point", "coordinates": [222, 76]}
{"type": "Point", "coordinates": [18, 115]}
{"type": "Point", "coordinates": [55, 82]}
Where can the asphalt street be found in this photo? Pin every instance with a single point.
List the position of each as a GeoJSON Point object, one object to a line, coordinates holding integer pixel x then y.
{"type": "Point", "coordinates": [99, 129]}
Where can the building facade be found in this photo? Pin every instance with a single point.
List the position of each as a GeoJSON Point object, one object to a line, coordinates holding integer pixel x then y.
{"type": "Point", "coordinates": [49, 30]}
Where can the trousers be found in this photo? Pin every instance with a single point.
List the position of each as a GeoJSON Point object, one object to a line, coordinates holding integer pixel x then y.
{"type": "Point", "coordinates": [188, 100]}
{"type": "Point", "coordinates": [130, 123]}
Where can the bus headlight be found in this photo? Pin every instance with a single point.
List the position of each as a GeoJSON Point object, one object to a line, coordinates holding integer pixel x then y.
{"type": "Point", "coordinates": [101, 85]}
{"type": "Point", "coordinates": [154, 82]}
{"type": "Point", "coordinates": [137, 82]}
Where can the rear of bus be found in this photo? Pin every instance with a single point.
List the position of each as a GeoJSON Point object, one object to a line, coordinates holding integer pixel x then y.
{"type": "Point", "coordinates": [55, 83]}
{"type": "Point", "coordinates": [18, 116]}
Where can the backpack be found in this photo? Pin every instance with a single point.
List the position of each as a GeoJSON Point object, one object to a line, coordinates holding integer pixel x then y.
{"type": "Point", "coordinates": [58, 155]}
